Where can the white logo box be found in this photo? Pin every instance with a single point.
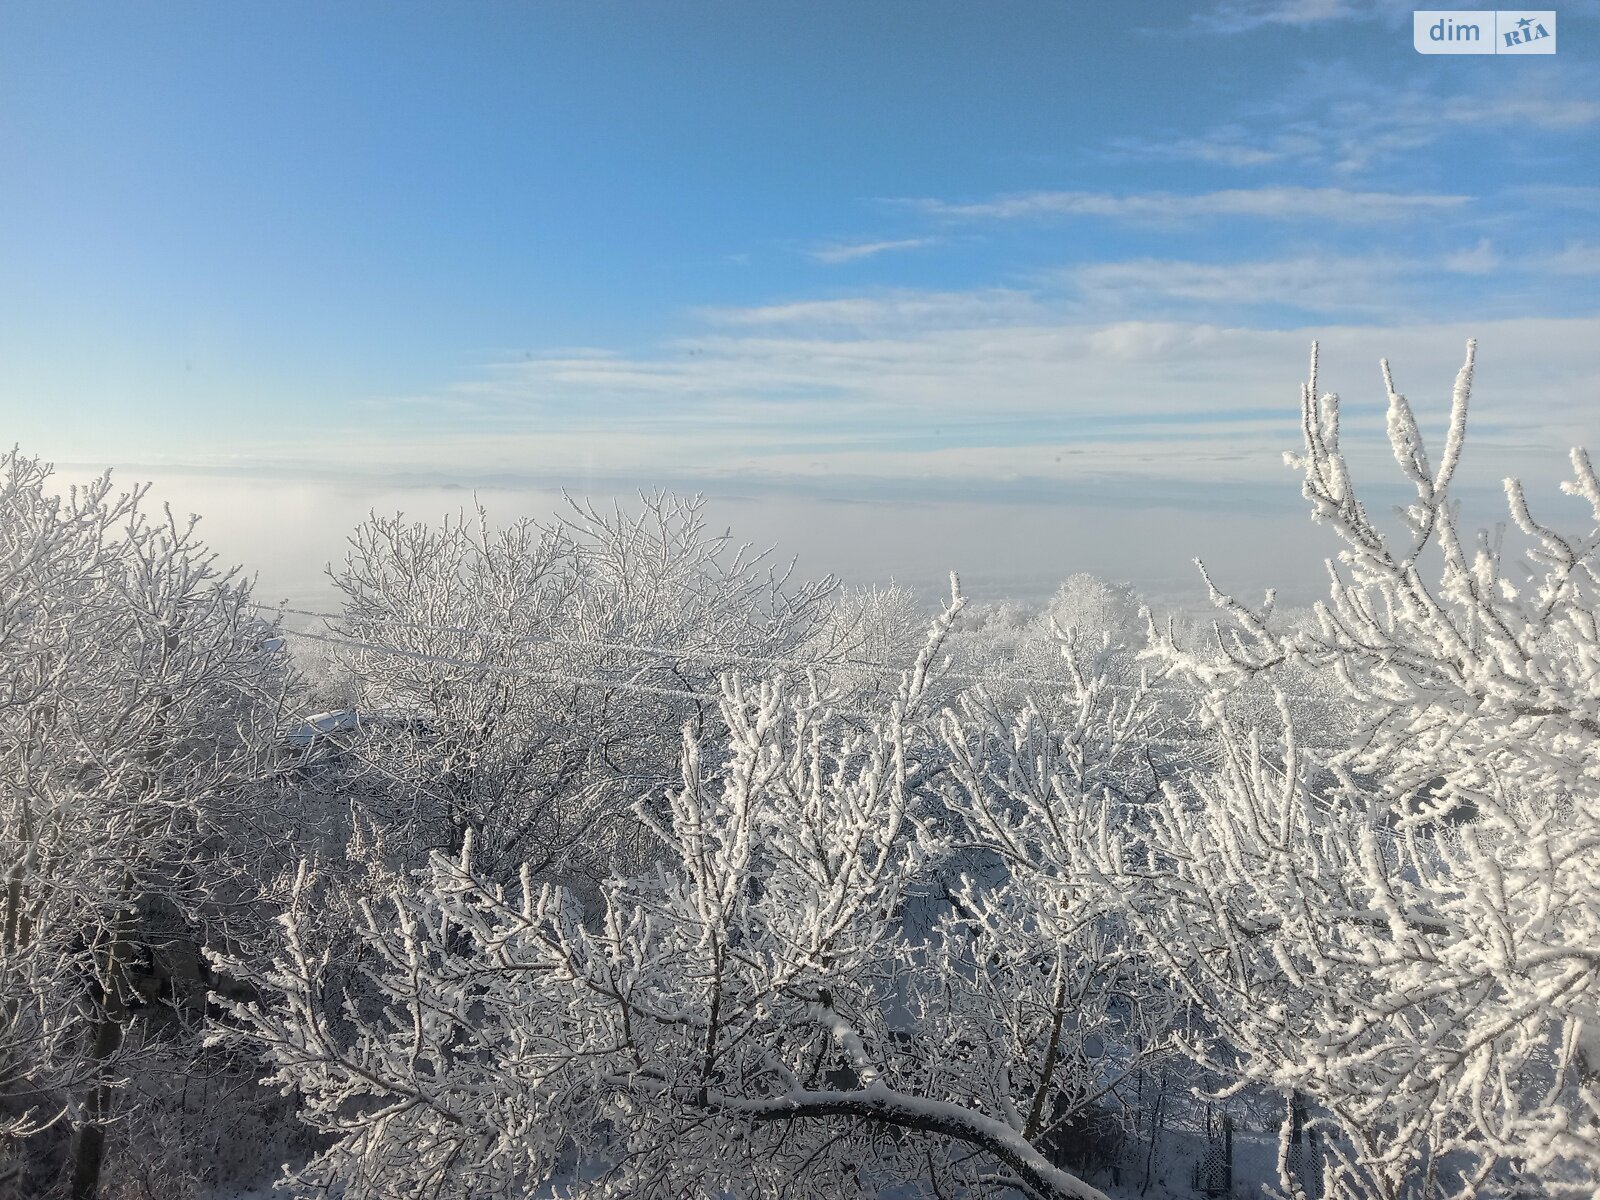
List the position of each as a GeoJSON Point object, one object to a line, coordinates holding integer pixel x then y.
{"type": "Point", "coordinates": [1484, 31]}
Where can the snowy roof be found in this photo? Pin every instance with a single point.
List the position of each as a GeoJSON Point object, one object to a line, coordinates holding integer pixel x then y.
{"type": "Point", "coordinates": [337, 721]}
{"type": "Point", "coordinates": [346, 720]}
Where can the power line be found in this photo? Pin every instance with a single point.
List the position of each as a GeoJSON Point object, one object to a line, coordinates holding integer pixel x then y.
{"type": "Point", "coordinates": [556, 677]}
{"type": "Point", "coordinates": [498, 669]}
{"type": "Point", "coordinates": [569, 680]}
{"type": "Point", "coordinates": [677, 653]}
{"type": "Point", "coordinates": [705, 655]}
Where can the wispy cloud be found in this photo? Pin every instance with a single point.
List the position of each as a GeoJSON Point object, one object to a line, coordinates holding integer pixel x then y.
{"type": "Point", "coordinates": [1578, 258]}
{"type": "Point", "coordinates": [1115, 432]}
{"type": "Point", "coordinates": [1482, 259]}
{"type": "Point", "coordinates": [888, 310]}
{"type": "Point", "coordinates": [1337, 116]}
{"type": "Point", "coordinates": [1521, 111]}
{"type": "Point", "coordinates": [1272, 203]}
{"type": "Point", "coordinates": [843, 252]}
{"type": "Point", "coordinates": [1391, 287]}
{"type": "Point", "coordinates": [1559, 196]}
{"type": "Point", "coordinates": [1035, 405]}
{"type": "Point", "coordinates": [1228, 145]}
{"type": "Point", "coordinates": [1238, 16]}
{"type": "Point", "coordinates": [1314, 282]}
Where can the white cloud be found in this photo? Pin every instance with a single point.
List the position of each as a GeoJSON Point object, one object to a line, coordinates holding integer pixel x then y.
{"type": "Point", "coordinates": [1377, 284]}
{"type": "Point", "coordinates": [1230, 154]}
{"type": "Point", "coordinates": [1556, 195]}
{"type": "Point", "coordinates": [1228, 146]}
{"type": "Point", "coordinates": [1027, 450]}
{"type": "Point", "coordinates": [843, 252]}
{"type": "Point", "coordinates": [1272, 203]}
{"type": "Point", "coordinates": [1237, 16]}
{"type": "Point", "coordinates": [1578, 258]}
{"type": "Point", "coordinates": [1321, 283]}
{"type": "Point", "coordinates": [1539, 112]}
{"type": "Point", "coordinates": [1134, 404]}
{"type": "Point", "coordinates": [1335, 116]}
{"type": "Point", "coordinates": [1482, 259]}
{"type": "Point", "coordinates": [887, 309]}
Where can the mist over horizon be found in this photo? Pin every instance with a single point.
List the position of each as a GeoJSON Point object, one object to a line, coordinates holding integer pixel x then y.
{"type": "Point", "coordinates": [286, 531]}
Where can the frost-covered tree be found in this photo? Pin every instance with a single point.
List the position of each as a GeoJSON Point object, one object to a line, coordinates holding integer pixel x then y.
{"type": "Point", "coordinates": [136, 704]}
{"type": "Point", "coordinates": [551, 666]}
{"type": "Point", "coordinates": [1051, 977]}
{"type": "Point", "coordinates": [1405, 929]}
{"type": "Point", "coordinates": [770, 1007]}
{"type": "Point", "coordinates": [869, 637]}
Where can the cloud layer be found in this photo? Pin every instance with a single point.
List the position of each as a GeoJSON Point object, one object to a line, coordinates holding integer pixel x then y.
{"type": "Point", "coordinates": [1272, 203]}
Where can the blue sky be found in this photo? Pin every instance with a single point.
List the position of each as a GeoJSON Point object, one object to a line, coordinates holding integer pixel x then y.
{"type": "Point", "coordinates": [905, 252]}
